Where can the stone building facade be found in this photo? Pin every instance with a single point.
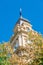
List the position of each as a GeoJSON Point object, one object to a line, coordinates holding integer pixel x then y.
{"type": "Point", "coordinates": [20, 37]}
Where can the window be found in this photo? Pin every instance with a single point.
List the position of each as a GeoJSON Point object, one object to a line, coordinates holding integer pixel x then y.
{"type": "Point", "coordinates": [28, 29]}
{"type": "Point", "coordinates": [15, 47]}
{"type": "Point", "coordinates": [16, 44]}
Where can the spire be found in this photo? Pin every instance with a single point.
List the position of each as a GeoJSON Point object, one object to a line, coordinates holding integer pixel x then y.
{"type": "Point", "coordinates": [20, 13]}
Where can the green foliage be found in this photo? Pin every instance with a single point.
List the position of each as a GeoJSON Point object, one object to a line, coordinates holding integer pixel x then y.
{"type": "Point", "coordinates": [4, 54]}
{"type": "Point", "coordinates": [33, 51]}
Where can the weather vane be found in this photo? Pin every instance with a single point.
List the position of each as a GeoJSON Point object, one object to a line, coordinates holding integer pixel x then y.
{"type": "Point", "coordinates": [20, 12]}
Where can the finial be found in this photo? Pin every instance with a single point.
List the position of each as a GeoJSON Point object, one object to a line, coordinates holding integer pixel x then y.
{"type": "Point", "coordinates": [20, 12]}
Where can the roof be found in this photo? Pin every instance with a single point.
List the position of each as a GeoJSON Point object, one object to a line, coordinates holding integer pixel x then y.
{"type": "Point", "coordinates": [23, 19]}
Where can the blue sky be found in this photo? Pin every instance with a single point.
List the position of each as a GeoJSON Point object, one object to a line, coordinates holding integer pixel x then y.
{"type": "Point", "coordinates": [9, 14]}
